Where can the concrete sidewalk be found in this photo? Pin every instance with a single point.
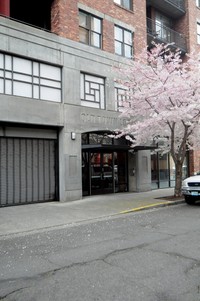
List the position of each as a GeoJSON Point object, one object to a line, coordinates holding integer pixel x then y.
{"type": "Point", "coordinates": [38, 217]}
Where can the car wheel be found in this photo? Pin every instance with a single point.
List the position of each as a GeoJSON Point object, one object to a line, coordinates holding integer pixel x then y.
{"type": "Point", "coordinates": [189, 200]}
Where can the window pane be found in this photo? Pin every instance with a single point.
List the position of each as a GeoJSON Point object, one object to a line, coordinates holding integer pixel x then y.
{"type": "Point", "coordinates": [1, 61]}
{"type": "Point", "coordinates": [21, 65]}
{"type": "Point", "coordinates": [1, 86]}
{"type": "Point", "coordinates": [127, 37]}
{"type": "Point", "coordinates": [21, 77]}
{"type": "Point", "coordinates": [118, 34]}
{"type": "Point", "coordinates": [50, 94]}
{"type": "Point", "coordinates": [83, 20]}
{"type": "Point", "coordinates": [128, 51]}
{"type": "Point", "coordinates": [84, 36]}
{"type": "Point", "coordinates": [95, 40]}
{"type": "Point", "coordinates": [50, 72]}
{"type": "Point", "coordinates": [8, 87]}
{"type": "Point", "coordinates": [127, 4]}
{"type": "Point", "coordinates": [118, 48]}
{"type": "Point", "coordinates": [36, 92]}
{"type": "Point", "coordinates": [8, 62]}
{"type": "Point", "coordinates": [22, 89]}
{"type": "Point", "coordinates": [96, 24]}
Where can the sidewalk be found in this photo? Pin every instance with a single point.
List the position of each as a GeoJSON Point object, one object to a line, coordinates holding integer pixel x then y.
{"type": "Point", "coordinates": [35, 217]}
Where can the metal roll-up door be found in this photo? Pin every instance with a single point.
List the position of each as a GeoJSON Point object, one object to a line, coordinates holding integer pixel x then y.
{"type": "Point", "coordinates": [27, 170]}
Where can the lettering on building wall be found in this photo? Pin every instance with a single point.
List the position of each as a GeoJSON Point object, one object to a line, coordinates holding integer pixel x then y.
{"type": "Point", "coordinates": [106, 120]}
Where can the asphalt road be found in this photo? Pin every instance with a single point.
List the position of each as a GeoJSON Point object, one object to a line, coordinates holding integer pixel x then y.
{"type": "Point", "coordinates": [152, 255]}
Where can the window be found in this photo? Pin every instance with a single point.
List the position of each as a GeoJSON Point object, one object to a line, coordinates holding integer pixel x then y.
{"type": "Point", "coordinates": [123, 42]}
{"type": "Point", "coordinates": [90, 30]}
{"type": "Point", "coordinates": [198, 3]}
{"type": "Point", "coordinates": [122, 98]}
{"type": "Point", "coordinates": [26, 78]}
{"type": "Point", "coordinates": [163, 25]}
{"type": "Point", "coordinates": [198, 33]}
{"type": "Point", "coordinates": [92, 91]}
{"type": "Point", "coordinates": [125, 3]}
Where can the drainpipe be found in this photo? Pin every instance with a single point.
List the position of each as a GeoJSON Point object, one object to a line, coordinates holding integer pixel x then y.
{"type": "Point", "coordinates": [5, 8]}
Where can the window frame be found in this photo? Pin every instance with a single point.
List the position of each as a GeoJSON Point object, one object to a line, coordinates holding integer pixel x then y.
{"type": "Point", "coordinates": [123, 43]}
{"type": "Point", "coordinates": [198, 3]}
{"type": "Point", "coordinates": [123, 4]}
{"type": "Point", "coordinates": [28, 78]}
{"type": "Point", "coordinates": [122, 98]}
{"type": "Point", "coordinates": [92, 90]}
{"type": "Point", "coordinates": [89, 29]}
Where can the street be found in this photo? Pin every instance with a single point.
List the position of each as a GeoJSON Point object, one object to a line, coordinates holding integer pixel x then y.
{"type": "Point", "coordinates": [151, 255]}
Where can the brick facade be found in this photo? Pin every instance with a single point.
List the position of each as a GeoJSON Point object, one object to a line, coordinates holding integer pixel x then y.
{"type": "Point", "coordinates": [64, 20]}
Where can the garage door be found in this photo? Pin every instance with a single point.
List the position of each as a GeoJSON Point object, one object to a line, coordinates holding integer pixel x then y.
{"type": "Point", "coordinates": [27, 170]}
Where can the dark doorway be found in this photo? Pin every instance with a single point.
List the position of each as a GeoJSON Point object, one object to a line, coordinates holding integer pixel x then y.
{"type": "Point", "coordinates": [104, 172]}
{"type": "Point", "coordinates": [104, 163]}
{"type": "Point", "coordinates": [101, 173]}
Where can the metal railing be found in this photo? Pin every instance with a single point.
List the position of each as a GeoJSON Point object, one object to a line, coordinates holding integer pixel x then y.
{"type": "Point", "coordinates": [179, 3]}
{"type": "Point", "coordinates": [165, 34]}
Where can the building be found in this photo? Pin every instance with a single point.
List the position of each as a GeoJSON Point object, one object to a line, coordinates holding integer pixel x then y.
{"type": "Point", "coordinates": [58, 97]}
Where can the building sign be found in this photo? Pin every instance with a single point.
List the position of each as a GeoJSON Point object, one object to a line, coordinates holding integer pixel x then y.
{"type": "Point", "coordinates": [103, 120]}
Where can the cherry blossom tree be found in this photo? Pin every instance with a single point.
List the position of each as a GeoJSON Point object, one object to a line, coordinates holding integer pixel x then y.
{"type": "Point", "coordinates": [161, 103]}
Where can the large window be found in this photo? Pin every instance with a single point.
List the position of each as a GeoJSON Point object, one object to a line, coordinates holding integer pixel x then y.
{"type": "Point", "coordinates": [163, 170]}
{"type": "Point", "coordinates": [90, 31]}
{"type": "Point", "coordinates": [123, 42]}
{"type": "Point", "coordinates": [198, 3]}
{"type": "Point", "coordinates": [125, 3]}
{"type": "Point", "coordinates": [26, 78]}
{"type": "Point", "coordinates": [92, 91]}
{"type": "Point", "coordinates": [198, 33]}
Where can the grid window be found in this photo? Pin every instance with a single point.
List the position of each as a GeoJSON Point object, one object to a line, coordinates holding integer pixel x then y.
{"type": "Point", "coordinates": [122, 98]}
{"type": "Point", "coordinates": [198, 33]}
{"type": "Point", "coordinates": [125, 3]}
{"type": "Point", "coordinates": [26, 78]}
{"type": "Point", "coordinates": [92, 91]}
{"type": "Point", "coordinates": [198, 3]}
{"type": "Point", "coordinates": [123, 42]}
{"type": "Point", "coordinates": [90, 30]}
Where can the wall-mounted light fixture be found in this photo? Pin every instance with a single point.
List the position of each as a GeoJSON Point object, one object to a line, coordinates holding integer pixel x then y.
{"type": "Point", "coordinates": [73, 136]}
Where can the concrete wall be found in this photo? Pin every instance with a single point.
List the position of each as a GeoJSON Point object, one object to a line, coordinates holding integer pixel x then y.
{"type": "Point", "coordinates": [68, 116]}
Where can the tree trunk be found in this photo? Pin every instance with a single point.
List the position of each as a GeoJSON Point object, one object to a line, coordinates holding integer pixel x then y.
{"type": "Point", "coordinates": [178, 181]}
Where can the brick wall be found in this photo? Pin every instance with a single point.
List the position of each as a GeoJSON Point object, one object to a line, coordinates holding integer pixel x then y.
{"type": "Point", "coordinates": [65, 23]}
{"type": "Point", "coordinates": [64, 19]}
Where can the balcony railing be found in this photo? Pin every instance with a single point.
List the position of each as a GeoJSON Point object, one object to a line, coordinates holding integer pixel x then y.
{"type": "Point", "coordinates": [179, 3]}
{"type": "Point", "coordinates": [174, 8]}
{"type": "Point", "coordinates": [161, 33]}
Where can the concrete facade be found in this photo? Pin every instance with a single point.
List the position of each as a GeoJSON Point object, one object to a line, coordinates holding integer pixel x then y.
{"type": "Point", "coordinates": [68, 116]}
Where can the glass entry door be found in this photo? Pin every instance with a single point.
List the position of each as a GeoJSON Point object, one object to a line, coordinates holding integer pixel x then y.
{"type": "Point", "coordinates": [101, 172]}
{"type": "Point", "coordinates": [104, 172]}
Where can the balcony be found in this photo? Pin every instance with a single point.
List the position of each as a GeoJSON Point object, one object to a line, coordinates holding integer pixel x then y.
{"type": "Point", "coordinates": [163, 34]}
{"type": "Point", "coordinates": [174, 8]}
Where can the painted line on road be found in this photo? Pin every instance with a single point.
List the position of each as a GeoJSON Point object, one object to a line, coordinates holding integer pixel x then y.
{"type": "Point", "coordinates": [147, 206]}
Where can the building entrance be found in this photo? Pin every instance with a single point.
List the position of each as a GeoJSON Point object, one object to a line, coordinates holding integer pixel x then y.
{"type": "Point", "coordinates": [104, 164]}
{"type": "Point", "coordinates": [104, 172]}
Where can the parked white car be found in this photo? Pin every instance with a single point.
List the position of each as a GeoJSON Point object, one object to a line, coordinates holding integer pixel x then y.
{"type": "Point", "coordinates": [191, 189]}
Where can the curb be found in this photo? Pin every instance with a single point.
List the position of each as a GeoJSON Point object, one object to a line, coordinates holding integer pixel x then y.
{"type": "Point", "coordinates": [155, 205]}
